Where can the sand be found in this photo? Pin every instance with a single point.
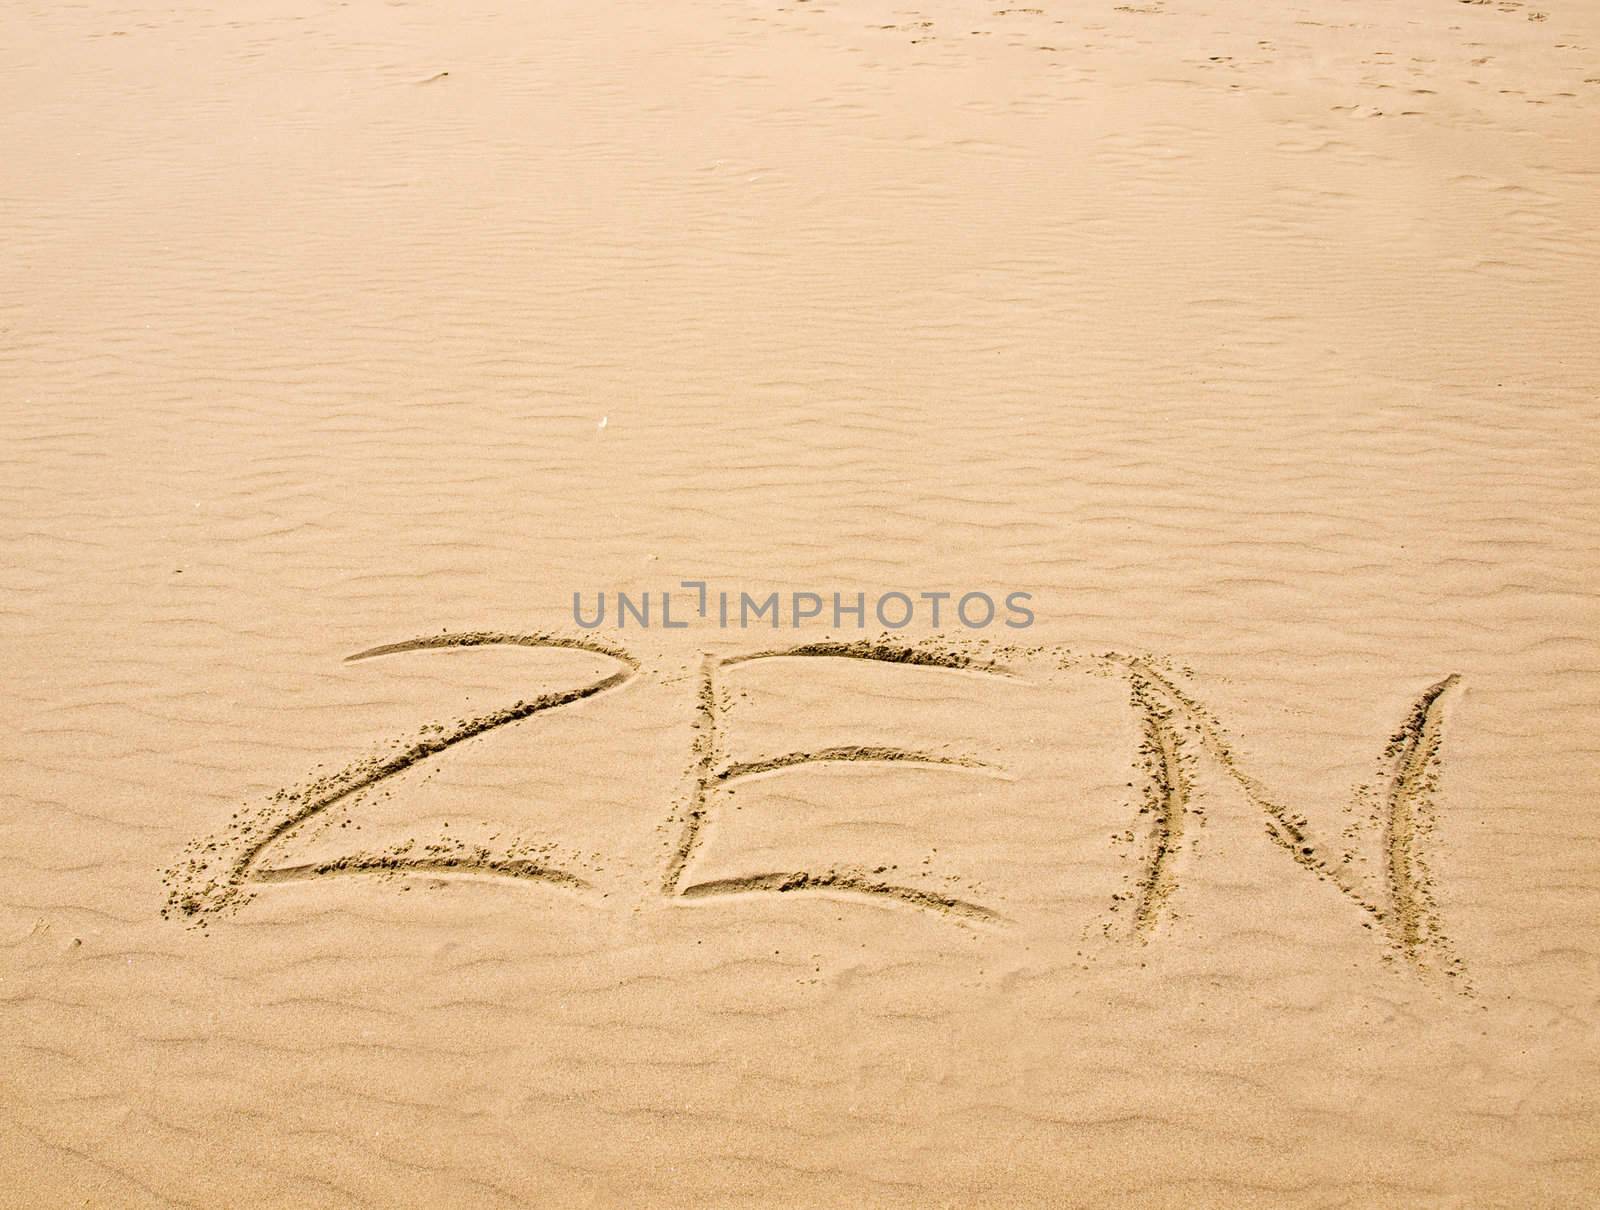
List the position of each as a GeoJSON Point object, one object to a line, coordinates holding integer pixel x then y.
{"type": "Point", "coordinates": [1257, 343]}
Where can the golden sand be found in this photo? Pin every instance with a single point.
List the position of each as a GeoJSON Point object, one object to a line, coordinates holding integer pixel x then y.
{"type": "Point", "coordinates": [341, 345]}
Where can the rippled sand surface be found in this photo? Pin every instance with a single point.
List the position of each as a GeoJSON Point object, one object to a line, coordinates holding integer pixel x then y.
{"type": "Point", "coordinates": [1258, 343]}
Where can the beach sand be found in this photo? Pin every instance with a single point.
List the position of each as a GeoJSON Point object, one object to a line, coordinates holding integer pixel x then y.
{"type": "Point", "coordinates": [1258, 344]}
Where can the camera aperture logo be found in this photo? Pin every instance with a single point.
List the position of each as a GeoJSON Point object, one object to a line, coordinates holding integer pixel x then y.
{"type": "Point", "coordinates": [734, 609]}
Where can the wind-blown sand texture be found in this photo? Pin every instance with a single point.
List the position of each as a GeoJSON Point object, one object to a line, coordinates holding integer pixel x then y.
{"type": "Point", "coordinates": [341, 344]}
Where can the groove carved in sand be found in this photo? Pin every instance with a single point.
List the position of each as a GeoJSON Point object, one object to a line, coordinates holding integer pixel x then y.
{"type": "Point", "coordinates": [833, 879]}
{"type": "Point", "coordinates": [219, 873]}
{"type": "Point", "coordinates": [1166, 800]}
{"type": "Point", "coordinates": [1404, 905]}
{"type": "Point", "coordinates": [1412, 756]}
